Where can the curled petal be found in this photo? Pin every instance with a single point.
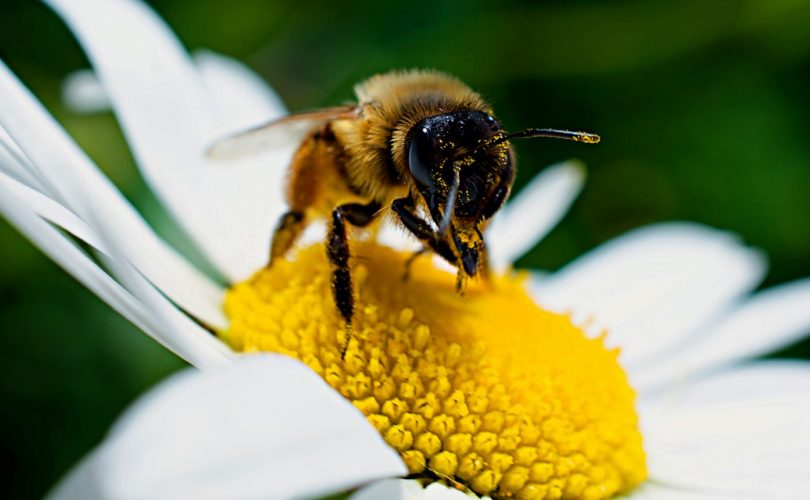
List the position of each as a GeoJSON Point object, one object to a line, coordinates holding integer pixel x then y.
{"type": "Point", "coordinates": [71, 258]}
{"type": "Point", "coordinates": [77, 184]}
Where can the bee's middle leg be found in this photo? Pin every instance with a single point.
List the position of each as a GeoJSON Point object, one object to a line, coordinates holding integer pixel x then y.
{"type": "Point", "coordinates": [337, 250]}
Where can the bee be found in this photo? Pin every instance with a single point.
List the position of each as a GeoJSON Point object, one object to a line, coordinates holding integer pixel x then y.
{"type": "Point", "coordinates": [419, 145]}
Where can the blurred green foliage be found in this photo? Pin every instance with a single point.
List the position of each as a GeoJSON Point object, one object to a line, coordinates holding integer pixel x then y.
{"type": "Point", "coordinates": [703, 108]}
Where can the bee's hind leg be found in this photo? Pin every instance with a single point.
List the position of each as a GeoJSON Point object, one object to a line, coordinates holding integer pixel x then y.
{"type": "Point", "coordinates": [337, 250]}
{"type": "Point", "coordinates": [287, 230]}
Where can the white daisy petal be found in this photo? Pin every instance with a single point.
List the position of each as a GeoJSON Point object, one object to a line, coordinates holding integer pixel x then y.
{"type": "Point", "coordinates": [82, 483]}
{"type": "Point", "coordinates": [767, 321]}
{"type": "Point", "coordinates": [437, 491]}
{"type": "Point", "coordinates": [744, 431]}
{"type": "Point", "coordinates": [242, 99]}
{"type": "Point", "coordinates": [83, 93]}
{"type": "Point", "coordinates": [408, 489]}
{"type": "Point", "coordinates": [653, 286]}
{"type": "Point", "coordinates": [248, 194]}
{"type": "Point", "coordinates": [157, 94]}
{"type": "Point", "coordinates": [393, 489]}
{"type": "Point", "coordinates": [250, 190]}
{"type": "Point", "coordinates": [16, 176]}
{"type": "Point", "coordinates": [82, 186]}
{"type": "Point", "coordinates": [181, 333]}
{"type": "Point", "coordinates": [266, 426]}
{"type": "Point", "coordinates": [170, 120]}
{"type": "Point", "coordinates": [51, 211]}
{"type": "Point", "coordinates": [16, 165]}
{"type": "Point", "coordinates": [197, 349]}
{"type": "Point", "coordinates": [67, 255]}
{"type": "Point", "coordinates": [168, 330]}
{"type": "Point", "coordinates": [653, 491]}
{"type": "Point", "coordinates": [394, 236]}
{"type": "Point", "coordinates": [536, 209]}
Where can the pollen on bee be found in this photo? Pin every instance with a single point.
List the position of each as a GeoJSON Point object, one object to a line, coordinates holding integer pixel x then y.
{"type": "Point", "coordinates": [485, 392]}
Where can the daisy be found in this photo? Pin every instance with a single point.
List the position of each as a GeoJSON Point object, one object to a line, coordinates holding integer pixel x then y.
{"type": "Point", "coordinates": [486, 393]}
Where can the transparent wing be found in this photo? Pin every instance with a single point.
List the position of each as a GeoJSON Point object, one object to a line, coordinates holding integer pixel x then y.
{"type": "Point", "coordinates": [277, 133]}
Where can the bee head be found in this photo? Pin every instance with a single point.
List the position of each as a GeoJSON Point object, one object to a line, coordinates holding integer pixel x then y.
{"type": "Point", "coordinates": [451, 169]}
{"type": "Point", "coordinates": [463, 169]}
{"type": "Point", "coordinates": [462, 180]}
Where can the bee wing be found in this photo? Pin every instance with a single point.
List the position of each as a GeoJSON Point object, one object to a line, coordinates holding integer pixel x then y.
{"type": "Point", "coordinates": [277, 133]}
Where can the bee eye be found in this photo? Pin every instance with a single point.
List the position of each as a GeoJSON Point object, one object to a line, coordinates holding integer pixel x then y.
{"type": "Point", "coordinates": [419, 160]}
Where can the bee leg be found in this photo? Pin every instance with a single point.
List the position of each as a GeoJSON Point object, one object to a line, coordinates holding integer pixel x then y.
{"type": "Point", "coordinates": [483, 266]}
{"type": "Point", "coordinates": [403, 207]}
{"type": "Point", "coordinates": [288, 228]}
{"type": "Point", "coordinates": [409, 263]}
{"type": "Point", "coordinates": [337, 250]}
{"type": "Point", "coordinates": [461, 282]}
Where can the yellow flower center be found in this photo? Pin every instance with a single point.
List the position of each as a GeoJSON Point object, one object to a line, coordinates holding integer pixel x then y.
{"type": "Point", "coordinates": [485, 391]}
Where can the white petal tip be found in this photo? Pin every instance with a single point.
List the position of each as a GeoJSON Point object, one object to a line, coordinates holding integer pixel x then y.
{"type": "Point", "coordinates": [82, 93]}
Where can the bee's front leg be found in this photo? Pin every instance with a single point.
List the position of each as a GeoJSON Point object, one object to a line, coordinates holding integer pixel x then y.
{"type": "Point", "coordinates": [337, 250]}
{"type": "Point", "coordinates": [404, 208]}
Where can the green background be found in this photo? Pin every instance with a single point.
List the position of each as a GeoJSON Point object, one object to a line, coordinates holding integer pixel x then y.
{"type": "Point", "coordinates": [703, 108]}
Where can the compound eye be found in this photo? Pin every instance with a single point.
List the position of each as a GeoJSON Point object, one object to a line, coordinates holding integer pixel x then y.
{"type": "Point", "coordinates": [419, 156]}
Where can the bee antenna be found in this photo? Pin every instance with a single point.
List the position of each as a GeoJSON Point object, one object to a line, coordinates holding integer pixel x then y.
{"type": "Point", "coordinates": [568, 135]}
{"type": "Point", "coordinates": [450, 205]}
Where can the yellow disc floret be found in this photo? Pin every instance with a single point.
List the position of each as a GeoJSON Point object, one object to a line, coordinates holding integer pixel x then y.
{"type": "Point", "coordinates": [486, 391]}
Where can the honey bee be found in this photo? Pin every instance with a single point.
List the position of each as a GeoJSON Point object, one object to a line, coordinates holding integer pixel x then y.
{"type": "Point", "coordinates": [420, 145]}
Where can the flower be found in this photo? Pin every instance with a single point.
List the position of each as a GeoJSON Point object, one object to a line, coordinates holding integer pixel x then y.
{"type": "Point", "coordinates": [674, 297]}
{"type": "Point", "coordinates": [485, 390]}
